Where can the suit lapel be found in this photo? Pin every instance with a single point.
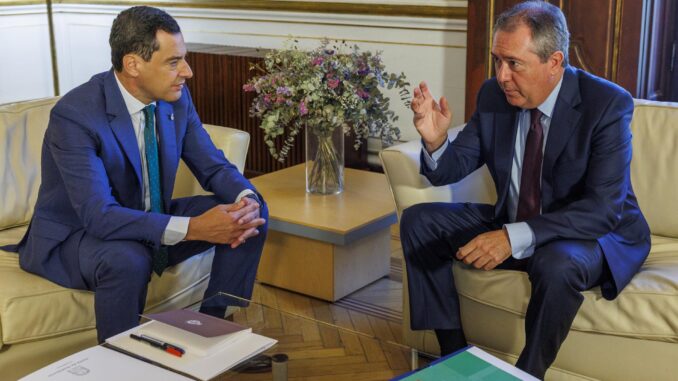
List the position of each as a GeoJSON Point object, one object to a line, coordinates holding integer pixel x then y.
{"type": "Point", "coordinates": [505, 130]}
{"type": "Point", "coordinates": [164, 119]}
{"type": "Point", "coordinates": [564, 122]}
{"type": "Point", "coordinates": [121, 123]}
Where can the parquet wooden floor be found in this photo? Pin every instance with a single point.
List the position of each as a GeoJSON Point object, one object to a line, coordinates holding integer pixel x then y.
{"type": "Point", "coordinates": [320, 352]}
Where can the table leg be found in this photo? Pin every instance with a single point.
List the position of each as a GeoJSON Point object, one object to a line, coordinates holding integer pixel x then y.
{"type": "Point", "coordinates": [414, 359]}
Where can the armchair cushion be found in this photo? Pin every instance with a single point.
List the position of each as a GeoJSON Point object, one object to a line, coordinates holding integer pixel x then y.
{"type": "Point", "coordinates": [34, 308]}
{"type": "Point", "coordinates": [647, 308]}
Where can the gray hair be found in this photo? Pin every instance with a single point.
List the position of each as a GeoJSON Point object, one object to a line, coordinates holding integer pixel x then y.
{"type": "Point", "coordinates": [547, 24]}
{"type": "Point", "coordinates": [134, 31]}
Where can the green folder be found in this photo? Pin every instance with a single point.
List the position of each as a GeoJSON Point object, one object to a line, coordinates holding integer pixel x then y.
{"type": "Point", "coordinates": [462, 366]}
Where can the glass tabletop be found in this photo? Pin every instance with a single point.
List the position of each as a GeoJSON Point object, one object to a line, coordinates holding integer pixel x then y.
{"type": "Point", "coordinates": [316, 339]}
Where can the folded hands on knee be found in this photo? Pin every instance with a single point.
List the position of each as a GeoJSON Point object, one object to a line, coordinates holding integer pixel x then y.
{"type": "Point", "coordinates": [487, 250]}
{"type": "Point", "coordinates": [230, 224]}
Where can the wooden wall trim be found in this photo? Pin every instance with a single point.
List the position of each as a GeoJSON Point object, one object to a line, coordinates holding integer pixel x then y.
{"type": "Point", "coordinates": [376, 9]}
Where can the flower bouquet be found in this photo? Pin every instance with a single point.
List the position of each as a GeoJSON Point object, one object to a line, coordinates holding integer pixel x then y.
{"type": "Point", "coordinates": [330, 91]}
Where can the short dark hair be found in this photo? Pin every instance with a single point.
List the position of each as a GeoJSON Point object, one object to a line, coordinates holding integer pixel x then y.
{"type": "Point", "coordinates": [547, 24]}
{"type": "Point", "coordinates": [134, 31]}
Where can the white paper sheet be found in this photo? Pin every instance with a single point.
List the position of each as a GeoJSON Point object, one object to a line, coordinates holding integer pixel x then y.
{"type": "Point", "coordinates": [102, 364]}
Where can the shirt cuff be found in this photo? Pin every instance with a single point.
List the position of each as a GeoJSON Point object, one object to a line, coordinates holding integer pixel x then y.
{"type": "Point", "coordinates": [431, 160]}
{"type": "Point", "coordinates": [244, 193]}
{"type": "Point", "coordinates": [522, 239]}
{"type": "Point", "coordinates": [176, 230]}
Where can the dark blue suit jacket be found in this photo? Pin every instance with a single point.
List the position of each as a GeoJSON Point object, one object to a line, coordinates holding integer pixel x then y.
{"type": "Point", "coordinates": [92, 179]}
{"type": "Point", "coordinates": [586, 187]}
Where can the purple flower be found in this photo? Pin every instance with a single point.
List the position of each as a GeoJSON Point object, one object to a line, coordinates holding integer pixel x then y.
{"type": "Point", "coordinates": [317, 61]}
{"type": "Point", "coordinates": [333, 83]}
{"type": "Point", "coordinates": [267, 99]}
{"type": "Point", "coordinates": [302, 108]}
{"type": "Point", "coordinates": [329, 52]}
{"type": "Point", "coordinates": [284, 90]}
{"type": "Point", "coordinates": [363, 94]}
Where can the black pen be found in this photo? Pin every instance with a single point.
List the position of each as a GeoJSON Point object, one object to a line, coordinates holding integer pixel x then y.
{"type": "Point", "coordinates": [163, 346]}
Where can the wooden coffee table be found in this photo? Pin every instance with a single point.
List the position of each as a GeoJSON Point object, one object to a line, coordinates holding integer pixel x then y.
{"type": "Point", "coordinates": [326, 246]}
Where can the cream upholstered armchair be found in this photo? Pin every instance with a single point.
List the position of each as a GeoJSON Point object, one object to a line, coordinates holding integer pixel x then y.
{"type": "Point", "coordinates": [634, 337]}
{"type": "Point", "coordinates": [40, 321]}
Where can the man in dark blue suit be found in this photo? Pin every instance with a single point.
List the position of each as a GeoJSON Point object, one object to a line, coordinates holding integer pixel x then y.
{"type": "Point", "coordinates": [104, 219]}
{"type": "Point", "coordinates": [557, 143]}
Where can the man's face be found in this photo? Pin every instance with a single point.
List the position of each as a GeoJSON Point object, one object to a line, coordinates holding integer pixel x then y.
{"type": "Point", "coordinates": [164, 76]}
{"type": "Point", "coordinates": [526, 81]}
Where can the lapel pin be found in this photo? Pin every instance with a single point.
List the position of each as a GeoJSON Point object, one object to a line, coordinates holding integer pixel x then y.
{"type": "Point", "coordinates": [172, 116]}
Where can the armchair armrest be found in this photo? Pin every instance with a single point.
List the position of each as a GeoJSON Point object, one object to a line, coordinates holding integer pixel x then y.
{"type": "Point", "coordinates": [401, 166]}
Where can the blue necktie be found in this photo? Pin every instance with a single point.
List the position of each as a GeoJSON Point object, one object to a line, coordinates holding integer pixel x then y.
{"type": "Point", "coordinates": [152, 164]}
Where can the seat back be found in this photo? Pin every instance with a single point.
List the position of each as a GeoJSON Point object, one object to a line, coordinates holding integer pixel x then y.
{"type": "Point", "coordinates": [653, 168]}
{"type": "Point", "coordinates": [22, 127]}
{"type": "Point", "coordinates": [234, 143]}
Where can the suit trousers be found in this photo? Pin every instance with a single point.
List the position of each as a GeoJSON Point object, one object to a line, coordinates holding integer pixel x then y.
{"type": "Point", "coordinates": [119, 271]}
{"type": "Point", "coordinates": [558, 271]}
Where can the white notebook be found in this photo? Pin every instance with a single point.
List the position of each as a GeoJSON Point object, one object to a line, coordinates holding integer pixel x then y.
{"type": "Point", "coordinates": [192, 343]}
{"type": "Point", "coordinates": [202, 364]}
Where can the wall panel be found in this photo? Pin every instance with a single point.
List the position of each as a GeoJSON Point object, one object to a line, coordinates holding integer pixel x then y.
{"type": "Point", "coordinates": [25, 67]}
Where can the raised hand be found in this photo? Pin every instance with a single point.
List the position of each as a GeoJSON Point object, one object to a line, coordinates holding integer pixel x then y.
{"type": "Point", "coordinates": [430, 118]}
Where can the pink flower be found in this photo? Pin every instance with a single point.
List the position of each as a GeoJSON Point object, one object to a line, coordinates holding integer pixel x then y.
{"type": "Point", "coordinates": [317, 61]}
{"type": "Point", "coordinates": [248, 87]}
{"type": "Point", "coordinates": [302, 108]}
{"type": "Point", "coordinates": [333, 83]}
{"type": "Point", "coordinates": [279, 100]}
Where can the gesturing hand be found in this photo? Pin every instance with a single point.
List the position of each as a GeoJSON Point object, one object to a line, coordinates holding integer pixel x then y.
{"type": "Point", "coordinates": [430, 118]}
{"type": "Point", "coordinates": [487, 250]}
{"type": "Point", "coordinates": [226, 223]}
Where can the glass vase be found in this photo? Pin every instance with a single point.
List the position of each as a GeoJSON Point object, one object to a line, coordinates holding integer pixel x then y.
{"type": "Point", "coordinates": [324, 160]}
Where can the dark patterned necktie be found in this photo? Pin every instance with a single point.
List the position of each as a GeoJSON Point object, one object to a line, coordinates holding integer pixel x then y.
{"type": "Point", "coordinates": [152, 164]}
{"type": "Point", "coordinates": [529, 198]}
